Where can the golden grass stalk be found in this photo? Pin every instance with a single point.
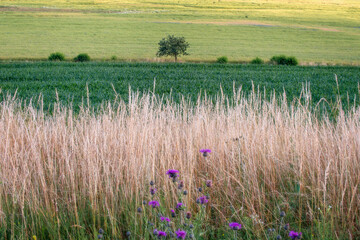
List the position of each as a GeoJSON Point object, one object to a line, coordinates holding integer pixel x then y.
{"type": "Point", "coordinates": [267, 155]}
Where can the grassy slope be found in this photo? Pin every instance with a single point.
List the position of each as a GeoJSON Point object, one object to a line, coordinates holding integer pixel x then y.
{"type": "Point", "coordinates": [242, 30]}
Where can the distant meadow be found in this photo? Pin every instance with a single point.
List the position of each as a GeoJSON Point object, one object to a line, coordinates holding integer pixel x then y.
{"type": "Point", "coordinates": [316, 32]}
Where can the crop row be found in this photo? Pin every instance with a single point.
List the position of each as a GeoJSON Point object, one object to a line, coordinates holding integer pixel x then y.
{"type": "Point", "coordinates": [69, 82]}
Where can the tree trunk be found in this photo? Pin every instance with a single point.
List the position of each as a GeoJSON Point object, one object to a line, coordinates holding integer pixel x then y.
{"type": "Point", "coordinates": [175, 58]}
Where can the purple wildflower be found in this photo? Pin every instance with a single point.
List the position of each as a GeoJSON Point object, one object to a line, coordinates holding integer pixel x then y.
{"type": "Point", "coordinates": [282, 214]}
{"type": "Point", "coordinates": [155, 232]}
{"type": "Point", "coordinates": [295, 235]}
{"type": "Point", "coordinates": [286, 226]}
{"type": "Point", "coordinates": [209, 183]}
{"type": "Point", "coordinates": [205, 152]}
{"type": "Point", "coordinates": [154, 204]}
{"type": "Point", "coordinates": [202, 200]}
{"type": "Point", "coordinates": [172, 173]}
{"type": "Point", "coordinates": [180, 234]}
{"type": "Point", "coordinates": [235, 225]}
{"type": "Point", "coordinates": [152, 191]}
{"type": "Point", "coordinates": [162, 218]}
{"type": "Point", "coordinates": [181, 185]}
{"type": "Point", "coordinates": [173, 214]}
{"type": "Point", "coordinates": [188, 215]}
{"type": "Point", "coordinates": [161, 234]}
{"type": "Point", "coordinates": [167, 219]}
{"type": "Point", "coordinates": [179, 205]}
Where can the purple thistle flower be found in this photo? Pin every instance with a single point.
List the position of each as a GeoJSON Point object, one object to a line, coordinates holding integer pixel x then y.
{"type": "Point", "coordinates": [162, 218]}
{"type": "Point", "coordinates": [154, 204]}
{"type": "Point", "coordinates": [155, 232]}
{"type": "Point", "coordinates": [161, 234]}
{"type": "Point", "coordinates": [202, 200]}
{"type": "Point", "coordinates": [180, 234]}
{"type": "Point", "coordinates": [179, 205]}
{"type": "Point", "coordinates": [173, 214]}
{"type": "Point", "coordinates": [235, 225]}
{"type": "Point", "coordinates": [209, 183]}
{"type": "Point", "coordinates": [152, 191]}
{"type": "Point", "coordinates": [286, 226]}
{"type": "Point", "coordinates": [205, 152]}
{"type": "Point", "coordinates": [188, 215]}
{"type": "Point", "coordinates": [172, 173]}
{"type": "Point", "coordinates": [181, 185]}
{"type": "Point", "coordinates": [167, 219]}
{"type": "Point", "coordinates": [295, 235]}
{"type": "Point", "coordinates": [282, 214]}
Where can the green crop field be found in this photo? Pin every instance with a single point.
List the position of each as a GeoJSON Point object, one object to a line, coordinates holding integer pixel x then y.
{"type": "Point", "coordinates": [312, 30]}
{"type": "Point", "coordinates": [70, 81]}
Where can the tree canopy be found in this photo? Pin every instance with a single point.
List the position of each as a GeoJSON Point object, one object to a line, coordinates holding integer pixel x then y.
{"type": "Point", "coordinates": [172, 46]}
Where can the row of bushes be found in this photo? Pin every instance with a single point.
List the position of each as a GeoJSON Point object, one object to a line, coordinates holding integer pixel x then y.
{"type": "Point", "coordinates": [58, 56]}
{"type": "Point", "coordinates": [279, 60]}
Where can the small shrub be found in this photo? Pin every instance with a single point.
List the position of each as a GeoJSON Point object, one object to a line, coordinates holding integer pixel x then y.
{"type": "Point", "coordinates": [57, 56]}
{"type": "Point", "coordinates": [280, 60]}
{"type": "Point", "coordinates": [114, 58]}
{"type": "Point", "coordinates": [257, 60]}
{"type": "Point", "coordinates": [222, 59]}
{"type": "Point", "coordinates": [283, 60]}
{"type": "Point", "coordinates": [292, 61]}
{"type": "Point", "coordinates": [82, 57]}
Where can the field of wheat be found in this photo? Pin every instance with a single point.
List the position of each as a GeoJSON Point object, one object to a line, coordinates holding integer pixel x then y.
{"type": "Point", "coordinates": [64, 175]}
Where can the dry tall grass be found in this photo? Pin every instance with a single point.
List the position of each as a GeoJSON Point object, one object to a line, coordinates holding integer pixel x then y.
{"type": "Point", "coordinates": [266, 156]}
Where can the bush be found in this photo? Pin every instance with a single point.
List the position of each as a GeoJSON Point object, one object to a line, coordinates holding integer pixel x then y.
{"type": "Point", "coordinates": [222, 59]}
{"type": "Point", "coordinates": [292, 61]}
{"type": "Point", "coordinates": [114, 58]}
{"type": "Point", "coordinates": [283, 60]}
{"type": "Point", "coordinates": [257, 60]}
{"type": "Point", "coordinates": [280, 60]}
{"type": "Point", "coordinates": [57, 56]}
{"type": "Point", "coordinates": [82, 57]}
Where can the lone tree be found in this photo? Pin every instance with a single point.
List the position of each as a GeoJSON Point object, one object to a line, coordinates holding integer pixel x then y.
{"type": "Point", "coordinates": [172, 46]}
